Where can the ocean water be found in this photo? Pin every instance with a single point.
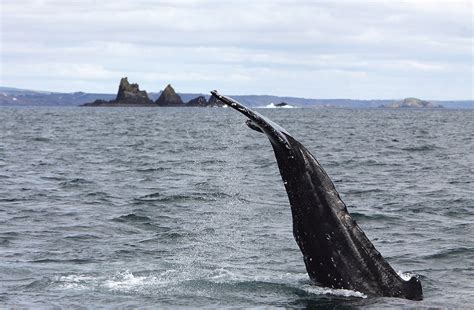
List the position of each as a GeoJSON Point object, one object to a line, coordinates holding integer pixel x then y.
{"type": "Point", "coordinates": [165, 208]}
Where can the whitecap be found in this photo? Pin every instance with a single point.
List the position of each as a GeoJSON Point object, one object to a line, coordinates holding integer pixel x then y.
{"type": "Point", "coordinates": [319, 290]}
{"type": "Point", "coordinates": [221, 275]}
{"type": "Point", "coordinates": [273, 106]}
{"type": "Point", "coordinates": [127, 281]}
{"type": "Point", "coordinates": [76, 282]}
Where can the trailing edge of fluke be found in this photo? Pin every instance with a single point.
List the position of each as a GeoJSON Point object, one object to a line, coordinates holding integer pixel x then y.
{"type": "Point", "coordinates": [336, 252]}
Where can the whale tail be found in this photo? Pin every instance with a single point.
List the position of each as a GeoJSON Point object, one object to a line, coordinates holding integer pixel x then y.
{"type": "Point", "coordinates": [253, 126]}
{"type": "Point", "coordinates": [276, 134]}
{"type": "Point", "coordinates": [336, 251]}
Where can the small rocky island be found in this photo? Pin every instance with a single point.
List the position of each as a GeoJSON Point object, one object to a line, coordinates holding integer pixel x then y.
{"type": "Point", "coordinates": [130, 95]}
{"type": "Point", "coordinates": [412, 103]}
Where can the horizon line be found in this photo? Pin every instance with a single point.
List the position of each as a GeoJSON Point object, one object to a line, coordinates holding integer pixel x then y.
{"type": "Point", "coordinates": [233, 95]}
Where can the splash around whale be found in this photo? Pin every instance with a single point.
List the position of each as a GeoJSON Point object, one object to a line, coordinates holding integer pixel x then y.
{"type": "Point", "coordinates": [336, 252]}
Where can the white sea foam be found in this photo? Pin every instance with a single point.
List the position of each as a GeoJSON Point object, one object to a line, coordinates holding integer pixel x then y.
{"type": "Point", "coordinates": [122, 281]}
{"type": "Point", "coordinates": [318, 290]}
{"type": "Point", "coordinates": [290, 278]}
{"type": "Point", "coordinates": [127, 281]}
{"type": "Point", "coordinates": [221, 275]}
{"type": "Point", "coordinates": [273, 106]}
{"type": "Point", "coordinates": [406, 276]}
{"type": "Point", "coordinates": [75, 282]}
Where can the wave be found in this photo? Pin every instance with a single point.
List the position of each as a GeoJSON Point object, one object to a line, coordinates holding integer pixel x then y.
{"type": "Point", "coordinates": [274, 106]}
{"type": "Point", "coordinates": [373, 216]}
{"type": "Point", "coordinates": [287, 282]}
{"type": "Point", "coordinates": [12, 199]}
{"type": "Point", "coordinates": [82, 237]}
{"type": "Point", "coordinates": [74, 261]}
{"type": "Point", "coordinates": [421, 148]}
{"type": "Point", "coordinates": [174, 280]}
{"type": "Point", "coordinates": [359, 191]}
{"type": "Point", "coordinates": [152, 196]}
{"type": "Point", "coordinates": [154, 169]}
{"type": "Point", "coordinates": [132, 217]}
{"type": "Point", "coordinates": [5, 242]}
{"type": "Point", "coordinates": [446, 253]}
{"type": "Point", "coordinates": [41, 139]}
{"type": "Point", "coordinates": [193, 196]}
{"type": "Point", "coordinates": [77, 182]}
{"type": "Point", "coordinates": [318, 290]}
{"type": "Point", "coordinates": [75, 282]}
{"type": "Point", "coordinates": [127, 282]}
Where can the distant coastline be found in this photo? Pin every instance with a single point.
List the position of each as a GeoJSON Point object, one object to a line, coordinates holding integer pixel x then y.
{"type": "Point", "coordinates": [23, 97]}
{"type": "Point", "coordinates": [131, 95]}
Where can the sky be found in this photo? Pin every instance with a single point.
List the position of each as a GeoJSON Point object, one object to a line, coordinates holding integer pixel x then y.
{"type": "Point", "coordinates": [313, 49]}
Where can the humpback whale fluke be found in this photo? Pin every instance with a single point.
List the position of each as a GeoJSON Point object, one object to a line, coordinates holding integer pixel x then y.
{"type": "Point", "coordinates": [336, 251]}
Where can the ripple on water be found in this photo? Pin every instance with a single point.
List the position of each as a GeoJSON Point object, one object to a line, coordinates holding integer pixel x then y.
{"type": "Point", "coordinates": [451, 252]}
{"type": "Point", "coordinates": [183, 208]}
{"type": "Point", "coordinates": [132, 218]}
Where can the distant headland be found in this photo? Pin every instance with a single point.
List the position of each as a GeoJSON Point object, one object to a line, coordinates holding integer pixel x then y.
{"type": "Point", "coordinates": [131, 95]}
{"type": "Point", "coordinates": [412, 103]}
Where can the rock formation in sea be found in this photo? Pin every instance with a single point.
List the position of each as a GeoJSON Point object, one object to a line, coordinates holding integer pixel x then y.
{"type": "Point", "coordinates": [169, 98]}
{"type": "Point", "coordinates": [197, 102]}
{"type": "Point", "coordinates": [412, 103]}
{"type": "Point", "coordinates": [127, 95]}
{"type": "Point", "coordinates": [131, 93]}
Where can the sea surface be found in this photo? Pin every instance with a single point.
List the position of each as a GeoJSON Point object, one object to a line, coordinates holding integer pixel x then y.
{"type": "Point", "coordinates": [185, 208]}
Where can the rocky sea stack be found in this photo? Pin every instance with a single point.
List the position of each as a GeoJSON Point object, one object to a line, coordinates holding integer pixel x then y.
{"type": "Point", "coordinates": [197, 102]}
{"type": "Point", "coordinates": [130, 95]}
{"type": "Point", "coordinates": [169, 98]}
{"type": "Point", "coordinates": [127, 95]}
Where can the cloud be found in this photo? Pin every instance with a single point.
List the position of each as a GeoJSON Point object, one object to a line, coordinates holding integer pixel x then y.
{"type": "Point", "coordinates": [263, 46]}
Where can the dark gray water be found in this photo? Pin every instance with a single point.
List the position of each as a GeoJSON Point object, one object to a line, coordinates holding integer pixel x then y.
{"type": "Point", "coordinates": [185, 207]}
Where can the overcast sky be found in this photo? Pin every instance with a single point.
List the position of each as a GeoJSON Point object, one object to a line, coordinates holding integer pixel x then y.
{"type": "Point", "coordinates": [313, 49]}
